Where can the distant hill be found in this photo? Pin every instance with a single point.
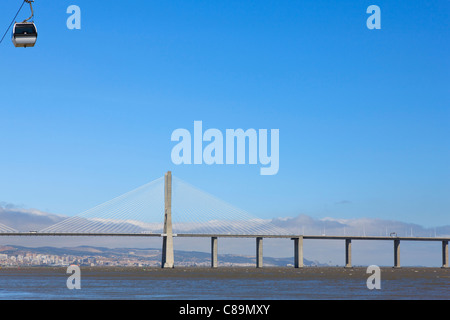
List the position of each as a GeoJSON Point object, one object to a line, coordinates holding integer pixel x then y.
{"type": "Point", "coordinates": [26, 219]}
{"type": "Point", "coordinates": [118, 254]}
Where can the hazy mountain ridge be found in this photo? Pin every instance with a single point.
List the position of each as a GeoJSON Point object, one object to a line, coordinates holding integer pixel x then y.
{"type": "Point", "coordinates": [25, 220]}
{"type": "Point", "coordinates": [182, 257]}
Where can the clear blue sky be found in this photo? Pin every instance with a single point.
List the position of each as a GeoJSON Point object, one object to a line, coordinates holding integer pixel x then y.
{"type": "Point", "coordinates": [363, 114]}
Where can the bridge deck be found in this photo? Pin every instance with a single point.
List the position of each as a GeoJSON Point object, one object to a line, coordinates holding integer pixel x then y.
{"type": "Point", "coordinates": [194, 235]}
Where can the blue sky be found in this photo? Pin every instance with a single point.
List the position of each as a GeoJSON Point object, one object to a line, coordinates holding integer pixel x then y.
{"type": "Point", "coordinates": [363, 115]}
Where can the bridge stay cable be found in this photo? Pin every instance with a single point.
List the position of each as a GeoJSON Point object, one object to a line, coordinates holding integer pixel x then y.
{"type": "Point", "coordinates": [142, 210]}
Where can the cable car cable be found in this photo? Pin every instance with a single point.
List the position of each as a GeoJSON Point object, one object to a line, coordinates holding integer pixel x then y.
{"type": "Point", "coordinates": [13, 21]}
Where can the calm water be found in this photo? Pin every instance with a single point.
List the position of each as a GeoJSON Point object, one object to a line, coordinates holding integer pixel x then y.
{"type": "Point", "coordinates": [224, 283]}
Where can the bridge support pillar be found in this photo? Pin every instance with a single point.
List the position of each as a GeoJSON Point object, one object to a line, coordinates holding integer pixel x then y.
{"type": "Point", "coordinates": [397, 253]}
{"type": "Point", "coordinates": [167, 247]}
{"type": "Point", "coordinates": [445, 254]}
{"type": "Point", "coordinates": [213, 252]}
{"type": "Point", "coordinates": [348, 253]}
{"type": "Point", "coordinates": [298, 252]}
{"type": "Point", "coordinates": [259, 252]}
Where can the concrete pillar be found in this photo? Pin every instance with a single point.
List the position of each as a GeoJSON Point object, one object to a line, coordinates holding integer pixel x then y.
{"type": "Point", "coordinates": [348, 253]}
{"type": "Point", "coordinates": [445, 254]}
{"type": "Point", "coordinates": [167, 248]}
{"type": "Point", "coordinates": [213, 252]}
{"type": "Point", "coordinates": [397, 253]}
{"type": "Point", "coordinates": [298, 252]}
{"type": "Point", "coordinates": [259, 252]}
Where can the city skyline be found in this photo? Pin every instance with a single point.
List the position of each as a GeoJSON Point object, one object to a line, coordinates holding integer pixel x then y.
{"type": "Point", "coordinates": [89, 256]}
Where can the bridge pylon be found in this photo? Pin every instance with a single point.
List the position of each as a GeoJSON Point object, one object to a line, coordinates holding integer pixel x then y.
{"type": "Point", "coordinates": [167, 246]}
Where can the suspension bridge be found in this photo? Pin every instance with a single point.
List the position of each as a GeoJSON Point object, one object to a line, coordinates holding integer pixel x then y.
{"type": "Point", "coordinates": [191, 213]}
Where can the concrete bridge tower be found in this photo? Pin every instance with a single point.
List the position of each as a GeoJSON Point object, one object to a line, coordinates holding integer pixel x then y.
{"type": "Point", "coordinates": [167, 247]}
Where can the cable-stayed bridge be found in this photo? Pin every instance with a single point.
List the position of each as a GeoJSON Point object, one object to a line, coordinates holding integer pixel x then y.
{"type": "Point", "coordinates": [169, 207]}
{"type": "Point", "coordinates": [141, 211]}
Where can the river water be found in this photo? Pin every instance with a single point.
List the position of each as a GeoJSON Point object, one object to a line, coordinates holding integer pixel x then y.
{"type": "Point", "coordinates": [223, 284]}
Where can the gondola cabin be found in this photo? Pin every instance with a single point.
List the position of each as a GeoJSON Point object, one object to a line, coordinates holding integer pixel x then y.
{"type": "Point", "coordinates": [24, 34]}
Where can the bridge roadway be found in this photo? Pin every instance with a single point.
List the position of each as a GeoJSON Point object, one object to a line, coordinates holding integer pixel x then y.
{"type": "Point", "coordinates": [298, 242]}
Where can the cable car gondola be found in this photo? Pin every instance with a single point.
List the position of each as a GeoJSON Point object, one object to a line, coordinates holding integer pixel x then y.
{"type": "Point", "coordinates": [24, 34]}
